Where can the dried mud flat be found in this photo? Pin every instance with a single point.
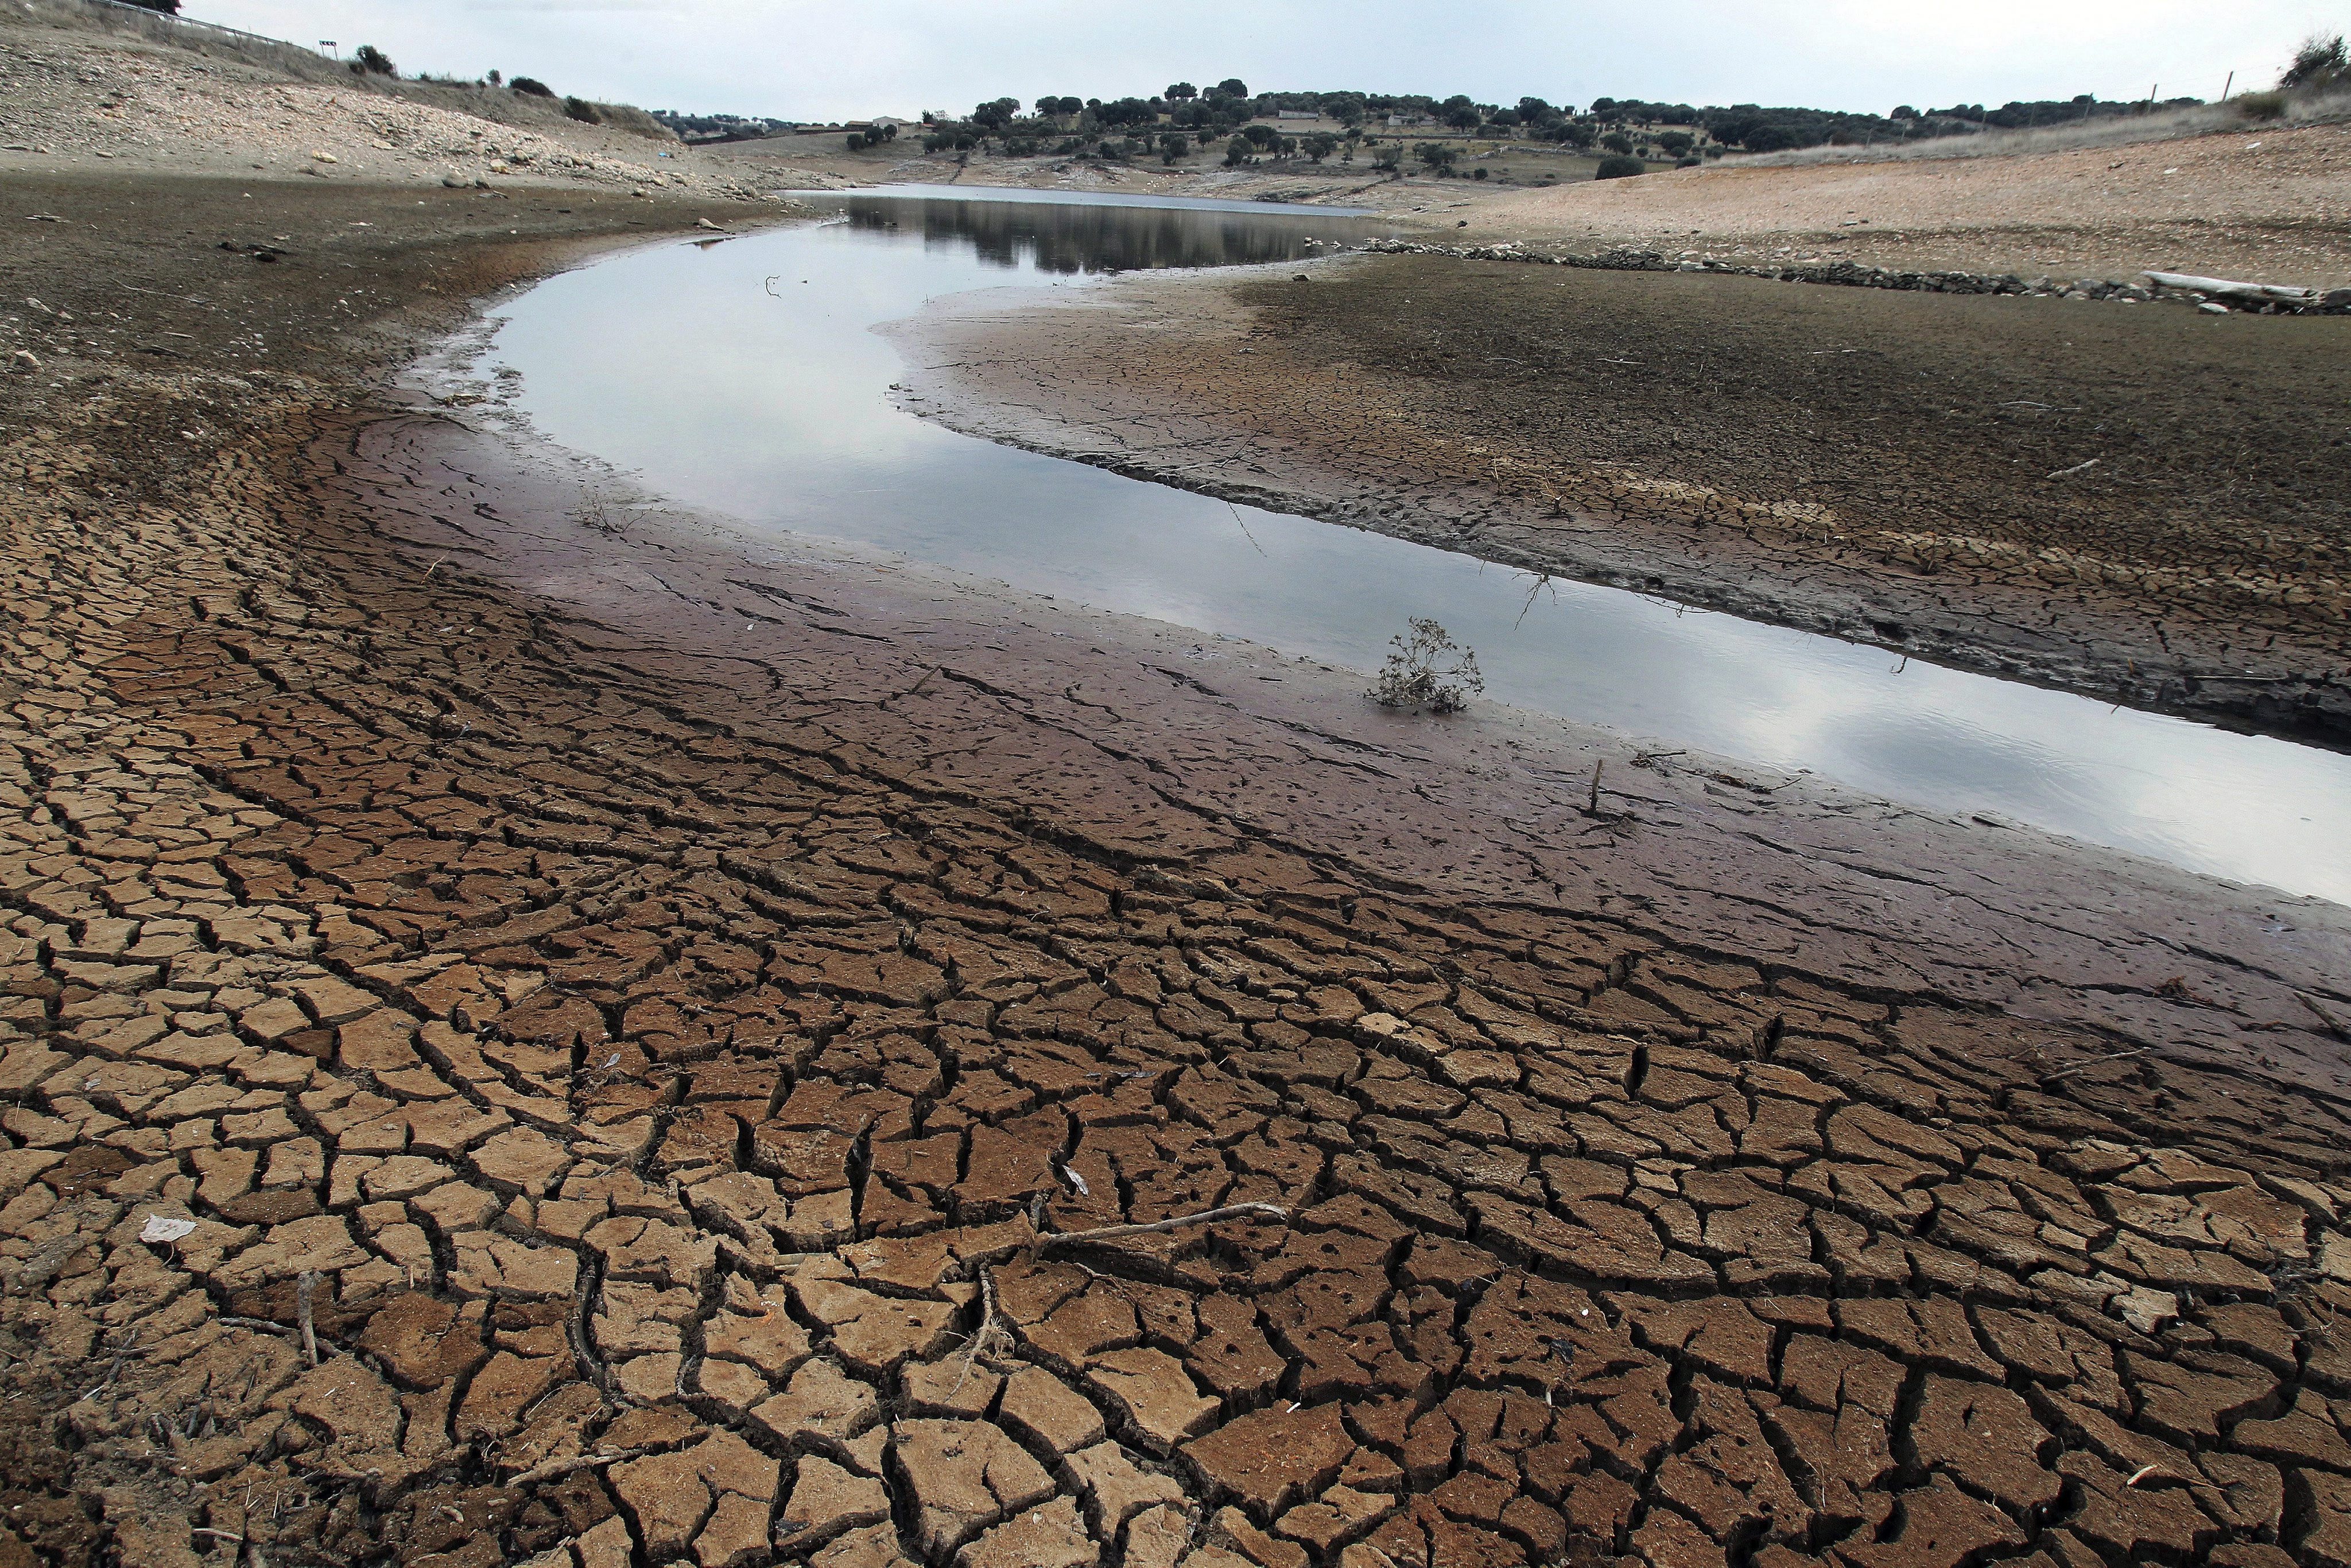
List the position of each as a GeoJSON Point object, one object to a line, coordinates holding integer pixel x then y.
{"type": "Point", "coordinates": [643, 1053]}
{"type": "Point", "coordinates": [2125, 501]}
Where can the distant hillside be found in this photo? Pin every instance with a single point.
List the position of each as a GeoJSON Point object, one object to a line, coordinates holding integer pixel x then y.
{"type": "Point", "coordinates": [500, 104]}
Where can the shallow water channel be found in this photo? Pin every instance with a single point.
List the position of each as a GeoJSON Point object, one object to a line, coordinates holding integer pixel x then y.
{"type": "Point", "coordinates": [744, 377]}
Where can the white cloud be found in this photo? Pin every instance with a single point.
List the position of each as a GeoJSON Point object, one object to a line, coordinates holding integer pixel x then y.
{"type": "Point", "coordinates": [807, 59]}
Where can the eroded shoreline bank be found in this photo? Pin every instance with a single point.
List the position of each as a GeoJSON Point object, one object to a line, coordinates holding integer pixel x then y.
{"type": "Point", "coordinates": [1921, 483]}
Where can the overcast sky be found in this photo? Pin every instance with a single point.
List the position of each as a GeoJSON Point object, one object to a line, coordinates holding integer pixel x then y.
{"type": "Point", "coordinates": [831, 59]}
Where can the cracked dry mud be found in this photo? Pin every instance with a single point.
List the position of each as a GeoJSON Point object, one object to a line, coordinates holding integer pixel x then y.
{"type": "Point", "coordinates": [646, 1048]}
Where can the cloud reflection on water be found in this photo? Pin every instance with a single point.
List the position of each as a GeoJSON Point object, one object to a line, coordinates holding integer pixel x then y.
{"type": "Point", "coordinates": [678, 362]}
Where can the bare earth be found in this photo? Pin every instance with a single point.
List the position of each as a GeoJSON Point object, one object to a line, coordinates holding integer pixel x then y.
{"type": "Point", "coordinates": [2267, 202]}
{"type": "Point", "coordinates": [79, 99]}
{"type": "Point", "coordinates": [636, 1005]}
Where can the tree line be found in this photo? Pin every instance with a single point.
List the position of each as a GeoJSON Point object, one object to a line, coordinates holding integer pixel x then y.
{"type": "Point", "coordinates": [1181, 117]}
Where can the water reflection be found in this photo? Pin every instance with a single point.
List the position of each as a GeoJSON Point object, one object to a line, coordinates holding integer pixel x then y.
{"type": "Point", "coordinates": [1064, 237]}
{"type": "Point", "coordinates": [747, 379]}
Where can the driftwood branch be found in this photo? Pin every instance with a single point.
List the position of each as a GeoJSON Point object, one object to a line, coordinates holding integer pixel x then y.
{"type": "Point", "coordinates": [975, 1265]}
{"type": "Point", "coordinates": [263, 1325]}
{"type": "Point", "coordinates": [2335, 1025]}
{"type": "Point", "coordinates": [2229, 289]}
{"type": "Point", "coordinates": [1206, 1217]}
{"type": "Point", "coordinates": [2048, 1078]}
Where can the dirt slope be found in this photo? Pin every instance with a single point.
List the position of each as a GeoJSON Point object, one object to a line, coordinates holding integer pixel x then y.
{"type": "Point", "coordinates": [72, 98]}
{"type": "Point", "coordinates": [2270, 203]}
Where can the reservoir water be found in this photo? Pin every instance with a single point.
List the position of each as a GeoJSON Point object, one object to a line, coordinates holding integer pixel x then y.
{"type": "Point", "coordinates": [744, 377]}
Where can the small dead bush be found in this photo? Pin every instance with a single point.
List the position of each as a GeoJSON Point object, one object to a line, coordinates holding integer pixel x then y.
{"type": "Point", "coordinates": [1427, 669]}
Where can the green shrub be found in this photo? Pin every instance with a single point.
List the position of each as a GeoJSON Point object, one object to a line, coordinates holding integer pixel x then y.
{"type": "Point", "coordinates": [2261, 105]}
{"type": "Point", "coordinates": [532, 88]}
{"type": "Point", "coordinates": [580, 109]}
{"type": "Point", "coordinates": [375, 62]}
{"type": "Point", "coordinates": [1619, 167]}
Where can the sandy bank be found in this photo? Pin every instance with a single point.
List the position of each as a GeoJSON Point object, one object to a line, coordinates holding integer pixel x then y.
{"type": "Point", "coordinates": [2262, 201]}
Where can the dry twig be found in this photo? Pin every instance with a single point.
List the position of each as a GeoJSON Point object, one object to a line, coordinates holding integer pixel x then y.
{"type": "Point", "coordinates": [2328, 1018]}
{"type": "Point", "coordinates": [554, 1467]}
{"type": "Point", "coordinates": [987, 1331]}
{"type": "Point", "coordinates": [306, 1281]}
{"type": "Point", "coordinates": [1206, 1217]}
{"type": "Point", "coordinates": [2049, 1078]}
{"type": "Point", "coordinates": [263, 1325]}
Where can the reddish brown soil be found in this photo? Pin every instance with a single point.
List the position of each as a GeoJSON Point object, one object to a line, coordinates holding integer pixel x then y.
{"type": "Point", "coordinates": [657, 1042]}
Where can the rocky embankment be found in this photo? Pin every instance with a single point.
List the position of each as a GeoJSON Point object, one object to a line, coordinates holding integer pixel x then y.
{"type": "Point", "coordinates": [2266, 300]}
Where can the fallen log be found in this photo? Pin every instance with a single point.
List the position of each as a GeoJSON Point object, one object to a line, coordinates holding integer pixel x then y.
{"type": "Point", "coordinates": [2283, 293]}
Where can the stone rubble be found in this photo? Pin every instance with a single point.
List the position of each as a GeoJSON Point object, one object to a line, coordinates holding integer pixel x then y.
{"type": "Point", "coordinates": [1851, 274]}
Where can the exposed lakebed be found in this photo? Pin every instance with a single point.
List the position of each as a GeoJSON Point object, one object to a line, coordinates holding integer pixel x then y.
{"type": "Point", "coordinates": [745, 378]}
